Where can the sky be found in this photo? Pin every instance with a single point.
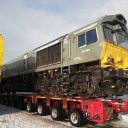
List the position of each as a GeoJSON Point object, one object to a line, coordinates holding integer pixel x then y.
{"type": "Point", "coordinates": [27, 24]}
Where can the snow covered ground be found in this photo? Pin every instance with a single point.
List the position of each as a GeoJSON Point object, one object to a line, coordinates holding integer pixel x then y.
{"type": "Point", "coordinates": [14, 118]}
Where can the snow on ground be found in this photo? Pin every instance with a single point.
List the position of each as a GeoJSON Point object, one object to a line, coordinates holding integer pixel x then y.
{"type": "Point", "coordinates": [14, 118]}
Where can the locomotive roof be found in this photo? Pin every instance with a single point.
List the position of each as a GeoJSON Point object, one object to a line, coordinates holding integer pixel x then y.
{"type": "Point", "coordinates": [106, 18]}
{"type": "Point", "coordinates": [14, 60]}
{"type": "Point", "coordinates": [49, 43]}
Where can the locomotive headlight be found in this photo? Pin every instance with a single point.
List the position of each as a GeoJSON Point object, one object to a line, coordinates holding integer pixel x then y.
{"type": "Point", "coordinates": [110, 60]}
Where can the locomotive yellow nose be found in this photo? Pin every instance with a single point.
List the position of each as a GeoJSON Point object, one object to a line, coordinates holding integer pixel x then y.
{"type": "Point", "coordinates": [126, 63]}
{"type": "Point", "coordinates": [118, 59]}
{"type": "Point", "coordinates": [114, 56]}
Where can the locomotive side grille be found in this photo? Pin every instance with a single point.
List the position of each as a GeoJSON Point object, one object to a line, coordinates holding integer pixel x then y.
{"type": "Point", "coordinates": [50, 55]}
{"type": "Point", "coordinates": [42, 57]}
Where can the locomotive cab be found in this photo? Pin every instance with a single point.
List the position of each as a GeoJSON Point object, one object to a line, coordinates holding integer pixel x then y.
{"type": "Point", "coordinates": [114, 57]}
{"type": "Point", "coordinates": [115, 42]}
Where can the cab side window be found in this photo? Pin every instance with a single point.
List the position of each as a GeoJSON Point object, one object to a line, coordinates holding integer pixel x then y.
{"type": "Point", "coordinates": [81, 40]}
{"type": "Point", "coordinates": [91, 36]}
{"type": "Point", "coordinates": [87, 38]}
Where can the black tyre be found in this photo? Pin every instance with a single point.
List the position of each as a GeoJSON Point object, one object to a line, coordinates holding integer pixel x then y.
{"type": "Point", "coordinates": [58, 113]}
{"type": "Point", "coordinates": [29, 107]}
{"type": "Point", "coordinates": [41, 110]}
{"type": "Point", "coordinates": [76, 118]}
{"type": "Point", "coordinates": [55, 113]}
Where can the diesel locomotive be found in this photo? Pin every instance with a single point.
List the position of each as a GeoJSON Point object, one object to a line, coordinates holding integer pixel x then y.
{"type": "Point", "coordinates": [89, 62]}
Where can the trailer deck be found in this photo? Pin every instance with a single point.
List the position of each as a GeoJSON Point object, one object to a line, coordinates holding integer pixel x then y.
{"type": "Point", "coordinates": [79, 111]}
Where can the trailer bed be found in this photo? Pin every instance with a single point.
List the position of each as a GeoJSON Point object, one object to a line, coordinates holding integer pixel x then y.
{"type": "Point", "coordinates": [76, 110]}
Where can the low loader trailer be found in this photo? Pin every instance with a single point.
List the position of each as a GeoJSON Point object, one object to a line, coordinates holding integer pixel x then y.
{"type": "Point", "coordinates": [77, 110]}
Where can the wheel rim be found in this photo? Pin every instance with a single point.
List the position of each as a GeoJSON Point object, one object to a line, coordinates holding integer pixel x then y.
{"type": "Point", "coordinates": [39, 109]}
{"type": "Point", "coordinates": [54, 113]}
{"type": "Point", "coordinates": [28, 107]}
{"type": "Point", "coordinates": [74, 118]}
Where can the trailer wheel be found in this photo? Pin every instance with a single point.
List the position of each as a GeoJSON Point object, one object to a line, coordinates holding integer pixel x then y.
{"type": "Point", "coordinates": [56, 113]}
{"type": "Point", "coordinates": [41, 110]}
{"type": "Point", "coordinates": [76, 118]}
{"type": "Point", "coordinates": [29, 107]}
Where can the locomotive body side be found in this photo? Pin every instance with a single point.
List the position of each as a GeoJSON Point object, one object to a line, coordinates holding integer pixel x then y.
{"type": "Point", "coordinates": [75, 52]}
{"type": "Point", "coordinates": [21, 65]}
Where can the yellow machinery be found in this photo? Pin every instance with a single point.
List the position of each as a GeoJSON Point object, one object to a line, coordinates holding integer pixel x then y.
{"type": "Point", "coordinates": [1, 53]}
{"type": "Point", "coordinates": [117, 55]}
